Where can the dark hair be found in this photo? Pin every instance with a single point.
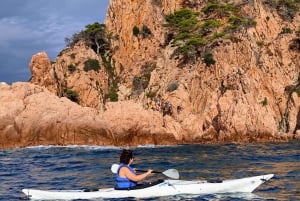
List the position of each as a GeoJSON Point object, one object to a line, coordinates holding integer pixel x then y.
{"type": "Point", "coordinates": [126, 155]}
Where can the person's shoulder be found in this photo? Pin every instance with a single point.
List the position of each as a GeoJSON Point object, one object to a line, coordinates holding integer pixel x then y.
{"type": "Point", "coordinates": [124, 167]}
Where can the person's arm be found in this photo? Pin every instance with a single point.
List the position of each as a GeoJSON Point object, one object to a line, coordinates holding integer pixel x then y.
{"type": "Point", "coordinates": [133, 177]}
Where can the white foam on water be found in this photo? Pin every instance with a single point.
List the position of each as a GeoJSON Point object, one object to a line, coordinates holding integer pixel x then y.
{"type": "Point", "coordinates": [88, 147]}
{"type": "Point", "coordinates": [95, 147]}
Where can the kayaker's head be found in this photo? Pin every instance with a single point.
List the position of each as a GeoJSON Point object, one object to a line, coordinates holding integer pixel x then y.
{"type": "Point", "coordinates": [126, 156]}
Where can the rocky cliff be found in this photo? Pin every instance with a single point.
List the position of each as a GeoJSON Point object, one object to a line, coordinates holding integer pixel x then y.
{"type": "Point", "coordinates": [248, 93]}
{"type": "Point", "coordinates": [31, 115]}
{"type": "Point", "coordinates": [183, 72]}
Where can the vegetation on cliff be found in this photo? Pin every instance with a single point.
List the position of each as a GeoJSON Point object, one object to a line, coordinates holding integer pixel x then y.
{"type": "Point", "coordinates": [96, 37]}
{"type": "Point", "coordinates": [295, 44]}
{"type": "Point", "coordinates": [72, 95]}
{"type": "Point", "coordinates": [195, 32]}
{"type": "Point", "coordinates": [91, 64]}
{"type": "Point", "coordinates": [287, 9]}
{"type": "Point", "coordinates": [145, 31]}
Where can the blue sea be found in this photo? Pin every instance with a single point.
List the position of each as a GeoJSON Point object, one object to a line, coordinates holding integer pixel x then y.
{"type": "Point", "coordinates": [88, 167]}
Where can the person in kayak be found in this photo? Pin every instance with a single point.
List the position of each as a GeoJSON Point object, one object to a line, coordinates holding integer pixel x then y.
{"type": "Point", "coordinates": [126, 176]}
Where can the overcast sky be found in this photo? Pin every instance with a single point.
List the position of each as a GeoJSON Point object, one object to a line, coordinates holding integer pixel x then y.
{"type": "Point", "coordinates": [30, 26]}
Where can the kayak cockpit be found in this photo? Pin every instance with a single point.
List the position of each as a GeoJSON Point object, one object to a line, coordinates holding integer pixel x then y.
{"type": "Point", "coordinates": [143, 185]}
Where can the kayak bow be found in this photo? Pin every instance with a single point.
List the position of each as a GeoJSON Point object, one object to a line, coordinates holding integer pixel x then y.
{"type": "Point", "coordinates": [165, 188]}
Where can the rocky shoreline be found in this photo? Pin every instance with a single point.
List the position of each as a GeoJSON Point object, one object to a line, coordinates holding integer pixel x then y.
{"type": "Point", "coordinates": [32, 116]}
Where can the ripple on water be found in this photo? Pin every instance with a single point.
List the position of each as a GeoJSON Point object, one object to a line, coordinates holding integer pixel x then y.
{"type": "Point", "coordinates": [79, 167]}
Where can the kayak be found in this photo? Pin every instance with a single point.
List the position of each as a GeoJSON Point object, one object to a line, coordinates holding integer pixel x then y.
{"type": "Point", "coordinates": [160, 188]}
{"type": "Point", "coordinates": [157, 189]}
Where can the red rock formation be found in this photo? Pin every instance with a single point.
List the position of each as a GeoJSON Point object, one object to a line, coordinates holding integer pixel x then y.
{"type": "Point", "coordinates": [67, 73]}
{"type": "Point", "coordinates": [249, 94]}
{"type": "Point", "coordinates": [31, 115]}
{"type": "Point", "coordinates": [241, 97]}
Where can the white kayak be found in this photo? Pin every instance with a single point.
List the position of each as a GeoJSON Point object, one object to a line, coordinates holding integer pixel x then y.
{"type": "Point", "coordinates": [157, 189]}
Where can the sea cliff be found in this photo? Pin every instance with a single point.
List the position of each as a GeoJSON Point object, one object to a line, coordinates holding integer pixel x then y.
{"type": "Point", "coordinates": [171, 72]}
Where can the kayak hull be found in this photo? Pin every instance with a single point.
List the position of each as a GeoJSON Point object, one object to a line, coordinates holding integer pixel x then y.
{"type": "Point", "coordinates": [165, 188]}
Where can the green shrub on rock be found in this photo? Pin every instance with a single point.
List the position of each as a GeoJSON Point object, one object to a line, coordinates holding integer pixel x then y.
{"type": "Point", "coordinates": [209, 59]}
{"type": "Point", "coordinates": [91, 64]}
{"type": "Point", "coordinates": [71, 68]}
{"type": "Point", "coordinates": [72, 95]}
{"type": "Point", "coordinates": [135, 31]}
{"type": "Point", "coordinates": [194, 33]}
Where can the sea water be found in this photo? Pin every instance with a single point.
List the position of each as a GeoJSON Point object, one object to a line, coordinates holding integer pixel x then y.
{"type": "Point", "coordinates": [88, 167]}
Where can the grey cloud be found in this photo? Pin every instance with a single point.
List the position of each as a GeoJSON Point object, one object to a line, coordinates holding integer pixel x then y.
{"type": "Point", "coordinates": [30, 26]}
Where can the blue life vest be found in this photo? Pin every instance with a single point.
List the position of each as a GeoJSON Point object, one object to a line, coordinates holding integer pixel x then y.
{"type": "Point", "coordinates": [124, 182]}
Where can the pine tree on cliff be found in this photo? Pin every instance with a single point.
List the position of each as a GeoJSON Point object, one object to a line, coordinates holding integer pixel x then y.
{"type": "Point", "coordinates": [96, 32]}
{"type": "Point", "coordinates": [94, 36]}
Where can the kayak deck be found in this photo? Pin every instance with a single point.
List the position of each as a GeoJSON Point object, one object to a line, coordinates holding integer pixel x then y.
{"type": "Point", "coordinates": [159, 189]}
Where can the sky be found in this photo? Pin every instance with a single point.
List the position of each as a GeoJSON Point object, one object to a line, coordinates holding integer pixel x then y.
{"type": "Point", "coordinates": [31, 26]}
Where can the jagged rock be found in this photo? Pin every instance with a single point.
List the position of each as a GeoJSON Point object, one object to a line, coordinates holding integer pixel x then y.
{"type": "Point", "coordinates": [250, 93]}
{"type": "Point", "coordinates": [67, 74]}
{"type": "Point", "coordinates": [31, 115]}
{"type": "Point", "coordinates": [42, 73]}
{"type": "Point", "coordinates": [240, 98]}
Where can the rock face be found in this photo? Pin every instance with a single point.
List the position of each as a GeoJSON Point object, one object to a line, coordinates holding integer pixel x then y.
{"type": "Point", "coordinates": [250, 93]}
{"type": "Point", "coordinates": [242, 97]}
{"type": "Point", "coordinates": [67, 75]}
{"type": "Point", "coordinates": [31, 115]}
